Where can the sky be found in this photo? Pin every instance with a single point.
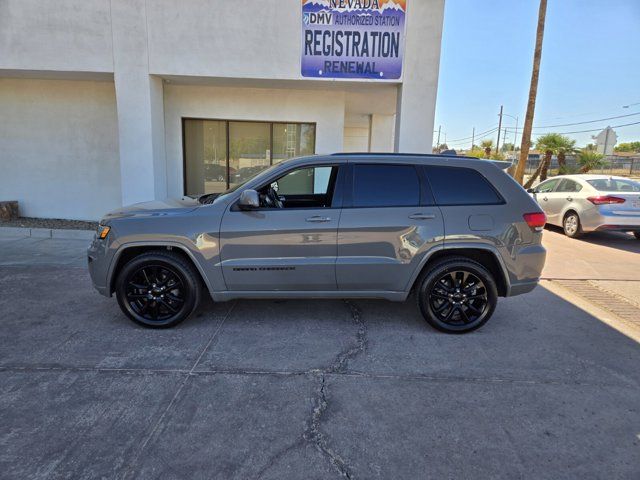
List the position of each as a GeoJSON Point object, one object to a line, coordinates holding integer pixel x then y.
{"type": "Point", "coordinates": [590, 67]}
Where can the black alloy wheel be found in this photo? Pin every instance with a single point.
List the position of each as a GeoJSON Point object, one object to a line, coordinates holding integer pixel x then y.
{"type": "Point", "coordinates": [458, 295]}
{"type": "Point", "coordinates": [158, 289]}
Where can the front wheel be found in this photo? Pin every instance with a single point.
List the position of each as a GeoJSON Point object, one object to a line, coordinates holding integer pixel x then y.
{"type": "Point", "coordinates": [637, 235]}
{"type": "Point", "coordinates": [571, 225]}
{"type": "Point", "coordinates": [158, 289]}
{"type": "Point", "coordinates": [458, 295]}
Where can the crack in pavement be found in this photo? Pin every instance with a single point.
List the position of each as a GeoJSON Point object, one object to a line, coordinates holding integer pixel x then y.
{"type": "Point", "coordinates": [339, 365]}
{"type": "Point", "coordinates": [314, 435]}
{"type": "Point", "coordinates": [320, 402]}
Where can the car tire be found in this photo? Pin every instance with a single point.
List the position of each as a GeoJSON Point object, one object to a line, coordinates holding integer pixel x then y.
{"type": "Point", "coordinates": [457, 295]}
{"type": "Point", "coordinates": [571, 225]}
{"type": "Point", "coordinates": [637, 235]}
{"type": "Point", "coordinates": [158, 289]}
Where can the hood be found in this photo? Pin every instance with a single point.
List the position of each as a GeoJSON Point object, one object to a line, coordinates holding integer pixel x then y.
{"type": "Point", "coordinates": [155, 208]}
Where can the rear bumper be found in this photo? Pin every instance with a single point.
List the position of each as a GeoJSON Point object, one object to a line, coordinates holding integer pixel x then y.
{"type": "Point", "coordinates": [598, 222]}
{"type": "Point", "coordinates": [523, 287]}
{"type": "Point", "coordinates": [525, 269]}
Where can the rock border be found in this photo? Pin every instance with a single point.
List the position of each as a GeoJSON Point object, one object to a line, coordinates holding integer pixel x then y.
{"type": "Point", "coordinates": [61, 234]}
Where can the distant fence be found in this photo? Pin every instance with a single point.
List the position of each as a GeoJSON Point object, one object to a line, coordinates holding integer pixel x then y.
{"type": "Point", "coordinates": [621, 166]}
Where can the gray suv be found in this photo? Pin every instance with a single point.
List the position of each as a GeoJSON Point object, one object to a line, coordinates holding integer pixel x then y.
{"type": "Point", "coordinates": [458, 232]}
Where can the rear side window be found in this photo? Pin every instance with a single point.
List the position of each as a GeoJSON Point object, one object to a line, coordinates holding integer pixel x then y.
{"type": "Point", "coordinates": [385, 186]}
{"type": "Point", "coordinates": [614, 185]}
{"type": "Point", "coordinates": [461, 186]}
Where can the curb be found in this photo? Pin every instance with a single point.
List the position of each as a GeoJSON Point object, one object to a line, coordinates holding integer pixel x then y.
{"type": "Point", "coordinates": [61, 234]}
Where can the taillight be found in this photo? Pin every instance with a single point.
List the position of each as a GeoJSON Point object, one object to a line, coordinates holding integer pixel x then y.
{"type": "Point", "coordinates": [605, 200]}
{"type": "Point", "coordinates": [535, 220]}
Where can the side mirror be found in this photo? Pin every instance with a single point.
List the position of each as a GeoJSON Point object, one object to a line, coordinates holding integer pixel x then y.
{"type": "Point", "coordinates": [531, 190]}
{"type": "Point", "coordinates": [249, 200]}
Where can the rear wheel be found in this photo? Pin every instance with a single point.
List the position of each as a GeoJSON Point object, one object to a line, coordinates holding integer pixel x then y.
{"type": "Point", "coordinates": [457, 295]}
{"type": "Point", "coordinates": [571, 225]}
{"type": "Point", "coordinates": [158, 289]}
{"type": "Point", "coordinates": [637, 235]}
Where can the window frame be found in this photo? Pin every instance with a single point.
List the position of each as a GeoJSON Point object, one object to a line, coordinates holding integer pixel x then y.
{"type": "Point", "coordinates": [349, 190]}
{"type": "Point", "coordinates": [501, 200]}
{"type": "Point", "coordinates": [336, 198]}
{"type": "Point", "coordinates": [226, 122]}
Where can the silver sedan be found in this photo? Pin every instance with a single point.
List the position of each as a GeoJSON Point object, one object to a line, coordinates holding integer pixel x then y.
{"type": "Point", "coordinates": [587, 203]}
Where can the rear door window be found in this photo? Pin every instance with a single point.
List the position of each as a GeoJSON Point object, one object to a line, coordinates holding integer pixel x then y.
{"type": "Point", "coordinates": [385, 186]}
{"type": "Point", "coordinates": [461, 186]}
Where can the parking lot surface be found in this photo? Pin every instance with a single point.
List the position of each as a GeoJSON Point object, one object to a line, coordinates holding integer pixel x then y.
{"type": "Point", "coordinates": [304, 389]}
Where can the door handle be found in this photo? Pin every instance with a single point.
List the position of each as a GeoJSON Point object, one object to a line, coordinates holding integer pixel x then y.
{"type": "Point", "coordinates": [318, 219]}
{"type": "Point", "coordinates": [422, 216]}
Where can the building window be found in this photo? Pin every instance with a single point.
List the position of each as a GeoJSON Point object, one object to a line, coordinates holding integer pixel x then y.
{"type": "Point", "coordinates": [219, 154]}
{"type": "Point", "coordinates": [293, 140]}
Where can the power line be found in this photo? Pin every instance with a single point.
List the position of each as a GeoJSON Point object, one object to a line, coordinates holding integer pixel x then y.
{"type": "Point", "coordinates": [491, 130]}
{"type": "Point", "coordinates": [477, 137]}
{"type": "Point", "coordinates": [586, 131]}
{"type": "Point", "coordinates": [588, 121]}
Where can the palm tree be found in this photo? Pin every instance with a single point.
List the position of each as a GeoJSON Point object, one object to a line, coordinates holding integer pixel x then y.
{"type": "Point", "coordinates": [588, 160]}
{"type": "Point", "coordinates": [533, 90]}
{"type": "Point", "coordinates": [565, 146]}
{"type": "Point", "coordinates": [551, 143]}
{"type": "Point", "coordinates": [487, 145]}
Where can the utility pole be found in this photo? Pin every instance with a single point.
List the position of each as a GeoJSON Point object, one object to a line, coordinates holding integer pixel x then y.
{"type": "Point", "coordinates": [515, 136]}
{"type": "Point", "coordinates": [473, 137]}
{"type": "Point", "coordinates": [438, 142]}
{"type": "Point", "coordinates": [499, 128]}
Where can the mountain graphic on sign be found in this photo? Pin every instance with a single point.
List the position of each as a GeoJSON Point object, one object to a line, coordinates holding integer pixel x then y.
{"type": "Point", "coordinates": [321, 3]}
{"type": "Point", "coordinates": [397, 5]}
{"type": "Point", "coordinates": [389, 6]}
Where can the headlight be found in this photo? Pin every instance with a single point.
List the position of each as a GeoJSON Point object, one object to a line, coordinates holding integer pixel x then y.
{"type": "Point", "coordinates": [103, 231]}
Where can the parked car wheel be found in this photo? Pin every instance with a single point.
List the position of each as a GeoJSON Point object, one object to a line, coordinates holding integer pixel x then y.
{"type": "Point", "coordinates": [158, 289]}
{"type": "Point", "coordinates": [571, 225]}
{"type": "Point", "coordinates": [637, 235]}
{"type": "Point", "coordinates": [457, 295]}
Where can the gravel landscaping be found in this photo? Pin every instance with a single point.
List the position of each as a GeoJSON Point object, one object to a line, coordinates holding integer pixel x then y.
{"type": "Point", "coordinates": [53, 223]}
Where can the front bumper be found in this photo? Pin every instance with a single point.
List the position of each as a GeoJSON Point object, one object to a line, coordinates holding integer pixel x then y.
{"type": "Point", "coordinates": [98, 265]}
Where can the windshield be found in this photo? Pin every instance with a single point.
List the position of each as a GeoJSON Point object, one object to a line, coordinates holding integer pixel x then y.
{"type": "Point", "coordinates": [614, 185]}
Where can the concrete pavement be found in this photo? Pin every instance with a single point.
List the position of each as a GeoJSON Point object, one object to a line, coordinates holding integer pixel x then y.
{"type": "Point", "coordinates": [305, 389]}
{"type": "Point", "coordinates": [595, 256]}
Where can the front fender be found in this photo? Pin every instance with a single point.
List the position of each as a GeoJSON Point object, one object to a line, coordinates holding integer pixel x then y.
{"type": "Point", "coordinates": [206, 264]}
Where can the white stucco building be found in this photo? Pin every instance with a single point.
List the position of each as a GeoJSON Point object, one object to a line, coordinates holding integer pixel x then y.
{"type": "Point", "coordinates": [112, 102]}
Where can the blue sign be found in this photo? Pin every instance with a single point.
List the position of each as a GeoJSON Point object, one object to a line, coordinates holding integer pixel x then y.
{"type": "Point", "coordinates": [353, 38]}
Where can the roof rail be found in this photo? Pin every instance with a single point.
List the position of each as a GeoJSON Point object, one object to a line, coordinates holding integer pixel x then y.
{"type": "Point", "coordinates": [391, 154]}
